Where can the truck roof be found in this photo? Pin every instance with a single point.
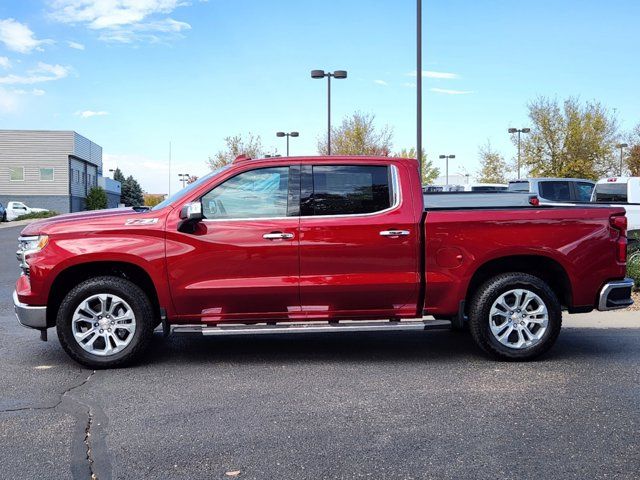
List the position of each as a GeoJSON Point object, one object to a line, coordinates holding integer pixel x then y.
{"type": "Point", "coordinates": [325, 159]}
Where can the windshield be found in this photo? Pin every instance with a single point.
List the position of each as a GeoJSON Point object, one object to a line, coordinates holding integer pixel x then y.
{"type": "Point", "coordinates": [188, 188]}
{"type": "Point", "coordinates": [610, 192]}
{"type": "Point", "coordinates": [520, 186]}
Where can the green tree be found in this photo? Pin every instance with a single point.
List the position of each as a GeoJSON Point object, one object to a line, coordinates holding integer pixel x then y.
{"type": "Point", "coordinates": [493, 167]}
{"type": "Point", "coordinates": [569, 140]}
{"type": "Point", "coordinates": [429, 172]}
{"type": "Point", "coordinates": [118, 176]}
{"type": "Point", "coordinates": [96, 199]}
{"type": "Point", "coordinates": [131, 194]}
{"type": "Point", "coordinates": [251, 146]}
{"type": "Point", "coordinates": [633, 160]}
{"type": "Point", "coordinates": [358, 135]}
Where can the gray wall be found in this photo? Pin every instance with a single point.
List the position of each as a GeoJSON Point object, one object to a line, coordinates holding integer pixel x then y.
{"type": "Point", "coordinates": [33, 149]}
{"type": "Point", "coordinates": [61, 150]}
{"type": "Point", "coordinates": [59, 203]}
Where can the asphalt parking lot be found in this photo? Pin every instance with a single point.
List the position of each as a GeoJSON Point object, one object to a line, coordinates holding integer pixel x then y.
{"type": "Point", "coordinates": [376, 405]}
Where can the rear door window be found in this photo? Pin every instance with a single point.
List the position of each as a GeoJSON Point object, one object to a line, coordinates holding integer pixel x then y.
{"type": "Point", "coordinates": [557, 191]}
{"type": "Point", "coordinates": [610, 192]}
{"type": "Point", "coordinates": [345, 190]}
{"type": "Point", "coordinates": [583, 191]}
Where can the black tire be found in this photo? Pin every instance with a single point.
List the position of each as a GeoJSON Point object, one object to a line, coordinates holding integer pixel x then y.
{"type": "Point", "coordinates": [489, 292]}
{"type": "Point", "coordinates": [4, 217]}
{"type": "Point", "coordinates": [123, 288]}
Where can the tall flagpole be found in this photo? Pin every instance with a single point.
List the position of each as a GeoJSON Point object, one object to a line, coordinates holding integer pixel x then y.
{"type": "Point", "coordinates": [169, 169]}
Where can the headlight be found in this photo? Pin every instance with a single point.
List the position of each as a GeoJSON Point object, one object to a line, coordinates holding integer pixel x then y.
{"type": "Point", "coordinates": [28, 245]}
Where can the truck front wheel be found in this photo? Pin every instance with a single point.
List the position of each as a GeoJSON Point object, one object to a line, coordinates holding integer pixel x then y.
{"type": "Point", "coordinates": [105, 322]}
{"type": "Point", "coordinates": [515, 316]}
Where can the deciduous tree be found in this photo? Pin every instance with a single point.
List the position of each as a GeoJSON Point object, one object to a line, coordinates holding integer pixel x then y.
{"type": "Point", "coordinates": [429, 172]}
{"type": "Point", "coordinates": [569, 139]}
{"type": "Point", "coordinates": [250, 145]}
{"type": "Point", "coordinates": [358, 135]}
{"type": "Point", "coordinates": [493, 167]}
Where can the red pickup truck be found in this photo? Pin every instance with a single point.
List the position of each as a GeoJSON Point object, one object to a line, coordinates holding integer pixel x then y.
{"type": "Point", "coordinates": [316, 244]}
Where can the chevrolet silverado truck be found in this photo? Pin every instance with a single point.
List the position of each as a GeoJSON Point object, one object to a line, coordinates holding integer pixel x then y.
{"type": "Point", "coordinates": [316, 244]}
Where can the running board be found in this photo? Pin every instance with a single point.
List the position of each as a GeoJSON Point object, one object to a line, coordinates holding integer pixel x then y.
{"type": "Point", "coordinates": [312, 327]}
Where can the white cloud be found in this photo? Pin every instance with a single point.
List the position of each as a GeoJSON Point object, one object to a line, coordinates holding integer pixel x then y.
{"type": "Point", "coordinates": [409, 85]}
{"type": "Point", "coordinates": [381, 82]}
{"type": "Point", "coordinates": [76, 45]}
{"type": "Point", "coordinates": [18, 37]}
{"type": "Point", "coordinates": [123, 21]}
{"type": "Point", "coordinates": [11, 98]}
{"type": "Point", "coordinates": [8, 101]}
{"type": "Point", "coordinates": [35, 91]}
{"type": "Point", "coordinates": [5, 63]}
{"type": "Point", "coordinates": [91, 113]}
{"type": "Point", "coordinates": [432, 74]}
{"type": "Point", "coordinates": [451, 92]}
{"type": "Point", "coordinates": [44, 72]}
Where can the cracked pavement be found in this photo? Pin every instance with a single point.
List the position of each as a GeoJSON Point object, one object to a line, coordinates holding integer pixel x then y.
{"type": "Point", "coordinates": [395, 405]}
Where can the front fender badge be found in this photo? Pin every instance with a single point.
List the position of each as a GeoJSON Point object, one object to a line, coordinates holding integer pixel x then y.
{"type": "Point", "coordinates": [141, 221]}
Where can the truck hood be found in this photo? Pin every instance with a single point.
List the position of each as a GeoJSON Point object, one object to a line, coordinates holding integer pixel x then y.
{"type": "Point", "coordinates": [46, 224]}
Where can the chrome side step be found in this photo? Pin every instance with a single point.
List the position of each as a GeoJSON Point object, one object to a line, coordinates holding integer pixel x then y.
{"type": "Point", "coordinates": [312, 327]}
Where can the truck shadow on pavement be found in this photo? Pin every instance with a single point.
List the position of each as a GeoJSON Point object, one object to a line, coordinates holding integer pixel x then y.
{"type": "Point", "coordinates": [434, 346]}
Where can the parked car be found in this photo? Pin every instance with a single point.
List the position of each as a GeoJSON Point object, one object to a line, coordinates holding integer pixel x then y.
{"type": "Point", "coordinates": [316, 244]}
{"type": "Point", "coordinates": [623, 192]}
{"type": "Point", "coordinates": [3, 213]}
{"type": "Point", "coordinates": [486, 187]}
{"type": "Point", "coordinates": [16, 209]}
{"type": "Point", "coordinates": [555, 190]}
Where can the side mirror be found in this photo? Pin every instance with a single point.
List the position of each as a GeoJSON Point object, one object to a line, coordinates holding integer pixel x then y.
{"type": "Point", "coordinates": [191, 211]}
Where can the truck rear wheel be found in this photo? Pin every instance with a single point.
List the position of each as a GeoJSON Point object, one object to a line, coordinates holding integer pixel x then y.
{"type": "Point", "coordinates": [515, 316]}
{"type": "Point", "coordinates": [105, 322]}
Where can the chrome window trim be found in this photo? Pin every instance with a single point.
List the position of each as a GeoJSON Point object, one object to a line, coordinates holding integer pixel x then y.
{"type": "Point", "coordinates": [396, 195]}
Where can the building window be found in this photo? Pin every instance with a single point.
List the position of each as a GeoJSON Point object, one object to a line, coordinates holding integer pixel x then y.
{"type": "Point", "coordinates": [16, 174]}
{"type": "Point", "coordinates": [46, 174]}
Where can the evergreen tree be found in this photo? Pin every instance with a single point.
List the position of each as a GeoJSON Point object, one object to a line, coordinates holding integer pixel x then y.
{"type": "Point", "coordinates": [96, 199]}
{"type": "Point", "coordinates": [131, 193]}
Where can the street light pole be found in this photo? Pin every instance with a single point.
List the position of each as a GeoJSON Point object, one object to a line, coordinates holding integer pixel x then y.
{"type": "Point", "coordinates": [447, 157]}
{"type": "Point", "coordinates": [621, 146]}
{"type": "Point", "coordinates": [419, 84]}
{"type": "Point", "coordinates": [184, 177]}
{"type": "Point", "coordinates": [289, 134]}
{"type": "Point", "coordinates": [519, 131]}
{"type": "Point", "coordinates": [338, 74]}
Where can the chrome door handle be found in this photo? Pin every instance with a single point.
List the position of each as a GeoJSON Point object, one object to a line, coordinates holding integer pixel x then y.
{"type": "Point", "coordinates": [277, 236]}
{"type": "Point", "coordinates": [394, 233]}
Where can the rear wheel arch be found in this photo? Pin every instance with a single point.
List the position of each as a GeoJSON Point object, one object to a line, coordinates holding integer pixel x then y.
{"type": "Point", "coordinates": [72, 276]}
{"type": "Point", "coordinates": [545, 268]}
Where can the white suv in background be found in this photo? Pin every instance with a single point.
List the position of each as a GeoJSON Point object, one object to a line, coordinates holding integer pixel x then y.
{"type": "Point", "coordinates": [620, 192]}
{"type": "Point", "coordinates": [15, 209]}
{"type": "Point", "coordinates": [555, 190]}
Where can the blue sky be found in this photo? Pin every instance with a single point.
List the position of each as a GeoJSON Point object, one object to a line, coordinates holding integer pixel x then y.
{"type": "Point", "coordinates": [133, 75]}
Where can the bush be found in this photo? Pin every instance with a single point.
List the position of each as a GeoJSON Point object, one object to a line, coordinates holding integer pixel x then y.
{"type": "Point", "coordinates": [96, 199]}
{"type": "Point", "coordinates": [28, 216]}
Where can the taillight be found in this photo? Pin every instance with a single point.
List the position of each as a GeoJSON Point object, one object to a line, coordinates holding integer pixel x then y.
{"type": "Point", "coordinates": [618, 224]}
{"type": "Point", "coordinates": [535, 201]}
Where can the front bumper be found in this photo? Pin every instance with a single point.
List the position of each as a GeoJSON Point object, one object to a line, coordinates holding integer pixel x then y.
{"type": "Point", "coordinates": [29, 316]}
{"type": "Point", "coordinates": [616, 295]}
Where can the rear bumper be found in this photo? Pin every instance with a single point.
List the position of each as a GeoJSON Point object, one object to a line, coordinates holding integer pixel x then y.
{"type": "Point", "coordinates": [29, 316]}
{"type": "Point", "coordinates": [616, 295]}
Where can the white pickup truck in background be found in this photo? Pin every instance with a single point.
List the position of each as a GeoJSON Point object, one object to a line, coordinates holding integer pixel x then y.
{"type": "Point", "coordinates": [16, 209]}
{"type": "Point", "coordinates": [620, 192]}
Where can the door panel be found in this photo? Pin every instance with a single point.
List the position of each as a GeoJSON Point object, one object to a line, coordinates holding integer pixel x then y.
{"type": "Point", "coordinates": [228, 271]}
{"type": "Point", "coordinates": [347, 268]}
{"type": "Point", "coordinates": [235, 266]}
